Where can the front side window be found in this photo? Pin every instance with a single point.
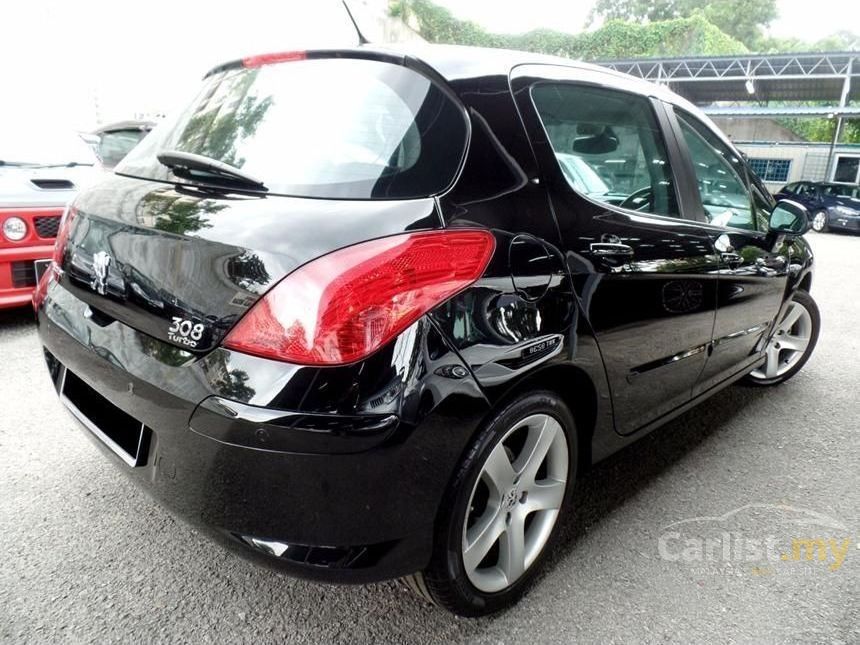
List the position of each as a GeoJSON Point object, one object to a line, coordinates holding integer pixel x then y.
{"type": "Point", "coordinates": [720, 176]}
{"type": "Point", "coordinates": [608, 145]}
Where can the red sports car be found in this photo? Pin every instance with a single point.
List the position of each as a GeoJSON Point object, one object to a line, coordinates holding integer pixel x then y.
{"type": "Point", "coordinates": [39, 175]}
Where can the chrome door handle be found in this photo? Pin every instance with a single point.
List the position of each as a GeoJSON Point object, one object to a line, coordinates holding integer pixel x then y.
{"type": "Point", "coordinates": [732, 259]}
{"type": "Point", "coordinates": [611, 249]}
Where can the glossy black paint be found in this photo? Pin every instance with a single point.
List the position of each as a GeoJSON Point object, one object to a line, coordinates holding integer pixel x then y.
{"type": "Point", "coordinates": [337, 473]}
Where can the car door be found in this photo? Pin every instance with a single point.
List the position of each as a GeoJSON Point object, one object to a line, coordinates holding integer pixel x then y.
{"type": "Point", "coordinates": [645, 278]}
{"type": "Point", "coordinates": [752, 274]}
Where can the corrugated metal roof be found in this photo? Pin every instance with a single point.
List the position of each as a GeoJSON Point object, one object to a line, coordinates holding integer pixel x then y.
{"type": "Point", "coordinates": [771, 112]}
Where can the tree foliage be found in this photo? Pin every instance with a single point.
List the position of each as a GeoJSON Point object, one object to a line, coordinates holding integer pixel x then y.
{"type": "Point", "coordinates": [821, 130]}
{"type": "Point", "coordinates": [693, 36]}
{"type": "Point", "coordinates": [646, 28]}
{"type": "Point", "coordinates": [740, 19]}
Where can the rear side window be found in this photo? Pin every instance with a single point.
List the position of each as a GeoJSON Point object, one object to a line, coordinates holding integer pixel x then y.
{"type": "Point", "coordinates": [337, 128]}
{"type": "Point", "coordinates": [608, 145]}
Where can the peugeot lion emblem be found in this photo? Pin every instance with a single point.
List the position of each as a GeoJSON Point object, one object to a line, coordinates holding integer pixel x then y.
{"type": "Point", "coordinates": [101, 262]}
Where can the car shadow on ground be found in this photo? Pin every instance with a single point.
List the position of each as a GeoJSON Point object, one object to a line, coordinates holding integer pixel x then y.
{"type": "Point", "coordinates": [18, 317]}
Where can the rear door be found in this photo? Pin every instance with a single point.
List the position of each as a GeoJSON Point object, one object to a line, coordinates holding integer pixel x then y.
{"type": "Point", "coordinates": [645, 278]}
{"type": "Point", "coordinates": [752, 274]}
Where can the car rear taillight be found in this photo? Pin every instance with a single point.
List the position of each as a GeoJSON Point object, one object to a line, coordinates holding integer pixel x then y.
{"type": "Point", "coordinates": [343, 306]}
{"type": "Point", "coordinates": [63, 236]}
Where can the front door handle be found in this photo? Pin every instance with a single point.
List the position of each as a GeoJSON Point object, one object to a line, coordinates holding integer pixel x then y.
{"type": "Point", "coordinates": [611, 250]}
{"type": "Point", "coordinates": [732, 259]}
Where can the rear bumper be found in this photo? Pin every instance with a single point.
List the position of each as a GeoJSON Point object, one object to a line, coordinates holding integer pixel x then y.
{"type": "Point", "coordinates": [14, 293]}
{"type": "Point", "coordinates": [324, 496]}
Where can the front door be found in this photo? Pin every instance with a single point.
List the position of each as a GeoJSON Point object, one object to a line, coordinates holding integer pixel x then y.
{"type": "Point", "coordinates": [645, 278]}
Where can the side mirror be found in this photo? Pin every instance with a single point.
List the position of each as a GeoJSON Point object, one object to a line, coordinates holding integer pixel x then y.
{"type": "Point", "coordinates": [789, 218]}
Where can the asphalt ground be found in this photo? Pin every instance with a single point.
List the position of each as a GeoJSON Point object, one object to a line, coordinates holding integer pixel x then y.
{"type": "Point", "coordinates": [697, 533]}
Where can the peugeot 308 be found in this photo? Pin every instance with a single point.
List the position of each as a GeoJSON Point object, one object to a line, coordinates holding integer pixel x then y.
{"type": "Point", "coordinates": [368, 313]}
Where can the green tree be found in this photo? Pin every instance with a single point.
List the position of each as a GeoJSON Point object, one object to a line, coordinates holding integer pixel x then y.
{"type": "Point", "coordinates": [740, 19]}
{"type": "Point", "coordinates": [616, 39]}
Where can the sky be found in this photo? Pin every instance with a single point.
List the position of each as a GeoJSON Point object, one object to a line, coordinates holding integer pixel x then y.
{"type": "Point", "coordinates": [77, 63]}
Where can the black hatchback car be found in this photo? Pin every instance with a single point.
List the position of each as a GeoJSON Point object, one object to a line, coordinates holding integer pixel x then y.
{"type": "Point", "coordinates": [832, 206]}
{"type": "Point", "coordinates": [368, 314]}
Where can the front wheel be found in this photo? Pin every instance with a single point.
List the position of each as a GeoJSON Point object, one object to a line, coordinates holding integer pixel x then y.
{"type": "Point", "coordinates": [792, 342]}
{"type": "Point", "coordinates": [819, 222]}
{"type": "Point", "coordinates": [502, 509]}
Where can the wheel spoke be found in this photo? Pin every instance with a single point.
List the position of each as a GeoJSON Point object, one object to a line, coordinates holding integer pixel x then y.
{"type": "Point", "coordinates": [796, 343]}
{"type": "Point", "coordinates": [546, 495]}
{"type": "Point", "coordinates": [791, 317]}
{"type": "Point", "coordinates": [487, 535]}
{"type": "Point", "coordinates": [772, 364]}
{"type": "Point", "coordinates": [498, 470]}
{"type": "Point", "coordinates": [534, 451]}
{"type": "Point", "coordinates": [512, 548]}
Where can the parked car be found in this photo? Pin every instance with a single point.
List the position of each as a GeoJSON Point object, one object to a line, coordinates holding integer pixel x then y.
{"type": "Point", "coordinates": [40, 172]}
{"type": "Point", "coordinates": [115, 140]}
{"type": "Point", "coordinates": [832, 205]}
{"type": "Point", "coordinates": [349, 313]}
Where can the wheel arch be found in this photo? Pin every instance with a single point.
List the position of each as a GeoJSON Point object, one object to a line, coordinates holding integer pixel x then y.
{"type": "Point", "coordinates": [573, 386]}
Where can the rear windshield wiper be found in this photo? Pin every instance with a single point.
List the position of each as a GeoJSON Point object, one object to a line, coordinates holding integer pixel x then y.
{"type": "Point", "coordinates": [18, 164]}
{"type": "Point", "coordinates": [29, 164]}
{"type": "Point", "coordinates": [191, 166]}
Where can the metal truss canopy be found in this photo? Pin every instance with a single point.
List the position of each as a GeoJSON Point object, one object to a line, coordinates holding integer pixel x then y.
{"type": "Point", "coordinates": [769, 77]}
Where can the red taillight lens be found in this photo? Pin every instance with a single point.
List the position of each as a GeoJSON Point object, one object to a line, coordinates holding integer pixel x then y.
{"type": "Point", "coordinates": [63, 236]}
{"type": "Point", "coordinates": [344, 306]}
{"type": "Point", "coordinates": [273, 58]}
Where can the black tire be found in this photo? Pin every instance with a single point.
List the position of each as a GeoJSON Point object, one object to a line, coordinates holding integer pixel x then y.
{"type": "Point", "coordinates": [822, 228]}
{"type": "Point", "coordinates": [445, 582]}
{"type": "Point", "coordinates": [808, 302]}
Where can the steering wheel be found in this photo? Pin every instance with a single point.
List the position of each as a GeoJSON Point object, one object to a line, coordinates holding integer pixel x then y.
{"type": "Point", "coordinates": [638, 199]}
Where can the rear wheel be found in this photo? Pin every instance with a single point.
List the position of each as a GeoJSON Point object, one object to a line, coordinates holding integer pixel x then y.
{"type": "Point", "coordinates": [501, 511]}
{"type": "Point", "coordinates": [819, 221]}
{"type": "Point", "coordinates": [792, 342]}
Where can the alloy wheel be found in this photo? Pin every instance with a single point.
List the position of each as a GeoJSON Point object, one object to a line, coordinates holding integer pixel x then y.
{"type": "Point", "coordinates": [819, 221]}
{"type": "Point", "coordinates": [788, 344]}
{"type": "Point", "coordinates": [515, 503]}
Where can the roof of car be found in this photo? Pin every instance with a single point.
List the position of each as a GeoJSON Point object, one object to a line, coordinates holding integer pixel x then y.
{"type": "Point", "coordinates": [459, 62]}
{"type": "Point", "coordinates": [454, 62]}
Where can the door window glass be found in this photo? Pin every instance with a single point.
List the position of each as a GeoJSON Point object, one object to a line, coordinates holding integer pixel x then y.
{"type": "Point", "coordinates": [608, 145]}
{"type": "Point", "coordinates": [720, 175]}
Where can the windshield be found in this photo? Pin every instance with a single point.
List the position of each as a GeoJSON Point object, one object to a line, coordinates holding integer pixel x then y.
{"type": "Point", "coordinates": [44, 147]}
{"type": "Point", "coordinates": [319, 128]}
{"type": "Point", "coordinates": [115, 145]}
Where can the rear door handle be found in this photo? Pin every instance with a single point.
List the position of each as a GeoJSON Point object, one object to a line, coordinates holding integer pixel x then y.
{"type": "Point", "coordinates": [611, 249]}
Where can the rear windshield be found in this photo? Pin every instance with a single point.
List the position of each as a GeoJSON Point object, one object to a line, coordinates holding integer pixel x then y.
{"type": "Point", "coordinates": [337, 128]}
